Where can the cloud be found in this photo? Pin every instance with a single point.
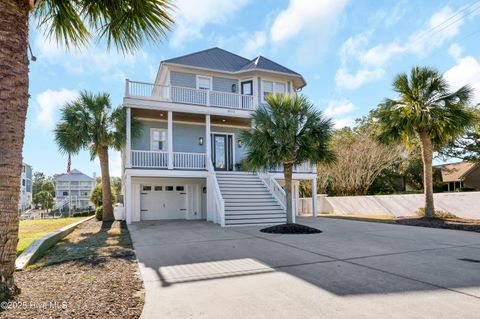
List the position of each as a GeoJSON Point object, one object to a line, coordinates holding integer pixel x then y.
{"type": "Point", "coordinates": [455, 50]}
{"type": "Point", "coordinates": [339, 107]}
{"type": "Point", "coordinates": [90, 60]}
{"type": "Point", "coordinates": [343, 122]}
{"type": "Point", "coordinates": [254, 43]}
{"type": "Point", "coordinates": [304, 16]}
{"type": "Point", "coordinates": [466, 71]}
{"type": "Point", "coordinates": [191, 16]}
{"type": "Point", "coordinates": [389, 17]}
{"type": "Point", "coordinates": [372, 61]}
{"type": "Point", "coordinates": [49, 102]}
{"type": "Point", "coordinates": [427, 39]}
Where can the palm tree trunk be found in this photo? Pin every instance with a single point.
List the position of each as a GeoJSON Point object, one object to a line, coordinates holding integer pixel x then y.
{"type": "Point", "coordinates": [287, 172]}
{"type": "Point", "coordinates": [427, 156]}
{"type": "Point", "coordinates": [106, 189]}
{"type": "Point", "coordinates": [13, 109]}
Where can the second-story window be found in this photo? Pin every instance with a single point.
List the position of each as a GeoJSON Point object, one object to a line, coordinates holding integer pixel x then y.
{"type": "Point", "coordinates": [204, 83]}
{"type": "Point", "coordinates": [158, 139]}
{"type": "Point", "coordinates": [271, 87]}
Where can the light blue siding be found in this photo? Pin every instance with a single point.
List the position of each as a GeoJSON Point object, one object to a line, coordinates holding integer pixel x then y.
{"type": "Point", "coordinates": [224, 84]}
{"type": "Point", "coordinates": [183, 79]}
{"type": "Point", "coordinates": [185, 137]}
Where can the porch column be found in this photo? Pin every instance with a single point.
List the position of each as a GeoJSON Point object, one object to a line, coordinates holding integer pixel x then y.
{"type": "Point", "coordinates": [314, 197]}
{"type": "Point", "coordinates": [208, 141]}
{"type": "Point", "coordinates": [128, 199]}
{"type": "Point", "coordinates": [170, 140]}
{"type": "Point", "coordinates": [129, 139]}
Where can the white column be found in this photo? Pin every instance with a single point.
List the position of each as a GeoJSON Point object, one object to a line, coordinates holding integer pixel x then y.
{"type": "Point", "coordinates": [314, 197]}
{"type": "Point", "coordinates": [208, 145]}
{"type": "Point", "coordinates": [129, 139]}
{"type": "Point", "coordinates": [128, 199]}
{"type": "Point", "coordinates": [170, 140]}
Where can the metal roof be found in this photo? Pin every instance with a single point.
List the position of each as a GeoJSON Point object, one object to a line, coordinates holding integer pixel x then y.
{"type": "Point", "coordinates": [222, 60]}
{"type": "Point", "coordinates": [75, 175]}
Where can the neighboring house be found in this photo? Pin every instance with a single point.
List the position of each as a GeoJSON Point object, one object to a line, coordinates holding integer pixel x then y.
{"type": "Point", "coordinates": [462, 174]}
{"type": "Point", "coordinates": [25, 200]}
{"type": "Point", "coordinates": [72, 191]}
{"type": "Point", "coordinates": [187, 161]}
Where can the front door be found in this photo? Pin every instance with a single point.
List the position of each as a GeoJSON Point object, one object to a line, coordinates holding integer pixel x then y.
{"type": "Point", "coordinates": [246, 89]}
{"type": "Point", "coordinates": [222, 152]}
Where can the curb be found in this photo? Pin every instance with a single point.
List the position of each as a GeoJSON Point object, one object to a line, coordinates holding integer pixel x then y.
{"type": "Point", "coordinates": [38, 246]}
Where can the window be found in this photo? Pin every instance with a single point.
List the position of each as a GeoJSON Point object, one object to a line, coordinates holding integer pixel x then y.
{"type": "Point", "coordinates": [85, 193]}
{"type": "Point", "coordinates": [169, 188]}
{"type": "Point", "coordinates": [65, 193]}
{"type": "Point", "coordinates": [270, 87]}
{"type": "Point", "coordinates": [180, 188]}
{"type": "Point", "coordinates": [158, 188]}
{"type": "Point", "coordinates": [23, 182]}
{"type": "Point", "coordinates": [158, 139]}
{"type": "Point", "coordinates": [146, 188]}
{"type": "Point", "coordinates": [204, 83]}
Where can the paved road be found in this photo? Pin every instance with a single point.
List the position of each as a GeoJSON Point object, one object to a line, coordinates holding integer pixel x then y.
{"type": "Point", "coordinates": [353, 269]}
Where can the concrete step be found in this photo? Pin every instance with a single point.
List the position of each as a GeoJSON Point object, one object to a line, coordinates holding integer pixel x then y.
{"type": "Point", "coordinates": [262, 195]}
{"type": "Point", "coordinates": [271, 203]}
{"type": "Point", "coordinates": [253, 222]}
{"type": "Point", "coordinates": [254, 217]}
{"type": "Point", "coordinates": [254, 211]}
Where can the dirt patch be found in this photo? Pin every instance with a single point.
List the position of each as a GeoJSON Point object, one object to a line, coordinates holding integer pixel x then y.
{"type": "Point", "coordinates": [290, 229]}
{"type": "Point", "coordinates": [92, 273]}
{"type": "Point", "coordinates": [450, 223]}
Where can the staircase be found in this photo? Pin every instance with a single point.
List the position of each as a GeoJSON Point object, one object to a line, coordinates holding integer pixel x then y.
{"type": "Point", "coordinates": [247, 200]}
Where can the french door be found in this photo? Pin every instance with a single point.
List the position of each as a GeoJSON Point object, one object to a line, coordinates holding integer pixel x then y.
{"type": "Point", "coordinates": [222, 152]}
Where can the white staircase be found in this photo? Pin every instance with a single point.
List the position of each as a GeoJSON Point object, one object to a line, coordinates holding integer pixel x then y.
{"type": "Point", "coordinates": [247, 200]}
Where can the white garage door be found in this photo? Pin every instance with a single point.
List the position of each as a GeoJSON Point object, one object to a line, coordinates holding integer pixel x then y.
{"type": "Point", "coordinates": [163, 201]}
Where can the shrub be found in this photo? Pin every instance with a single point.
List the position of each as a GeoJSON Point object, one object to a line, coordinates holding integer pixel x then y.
{"type": "Point", "coordinates": [438, 214]}
{"type": "Point", "coordinates": [99, 213]}
{"type": "Point", "coordinates": [465, 189]}
{"type": "Point", "coordinates": [84, 213]}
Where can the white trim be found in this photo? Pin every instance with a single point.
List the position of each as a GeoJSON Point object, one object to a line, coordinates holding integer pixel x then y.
{"type": "Point", "coordinates": [210, 78]}
{"type": "Point", "coordinates": [170, 140]}
{"type": "Point", "coordinates": [273, 87]}
{"type": "Point", "coordinates": [140, 172]}
{"type": "Point", "coordinates": [129, 137]}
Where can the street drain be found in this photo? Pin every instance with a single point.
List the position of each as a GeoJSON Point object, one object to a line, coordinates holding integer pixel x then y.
{"type": "Point", "coordinates": [470, 260]}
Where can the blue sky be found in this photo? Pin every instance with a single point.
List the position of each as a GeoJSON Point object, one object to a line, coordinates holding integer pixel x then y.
{"type": "Point", "coordinates": [348, 52]}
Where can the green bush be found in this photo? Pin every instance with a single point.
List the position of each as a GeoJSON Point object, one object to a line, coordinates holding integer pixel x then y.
{"type": "Point", "coordinates": [438, 214]}
{"type": "Point", "coordinates": [99, 213]}
{"type": "Point", "coordinates": [84, 213]}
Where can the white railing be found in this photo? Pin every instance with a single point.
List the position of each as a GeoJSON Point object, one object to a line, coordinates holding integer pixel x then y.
{"type": "Point", "coordinates": [187, 95]}
{"type": "Point", "coordinates": [149, 159]}
{"type": "Point", "coordinates": [184, 160]}
{"type": "Point", "coordinates": [275, 189]}
{"type": "Point", "coordinates": [305, 167]}
{"type": "Point", "coordinates": [215, 195]}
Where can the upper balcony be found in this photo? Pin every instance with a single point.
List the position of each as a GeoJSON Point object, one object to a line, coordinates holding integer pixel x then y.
{"type": "Point", "coordinates": [186, 95]}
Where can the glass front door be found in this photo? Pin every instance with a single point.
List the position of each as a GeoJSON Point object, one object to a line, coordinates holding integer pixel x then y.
{"type": "Point", "coordinates": [222, 152]}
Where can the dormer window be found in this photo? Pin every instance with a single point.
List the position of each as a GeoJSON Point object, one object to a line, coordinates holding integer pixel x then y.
{"type": "Point", "coordinates": [204, 83]}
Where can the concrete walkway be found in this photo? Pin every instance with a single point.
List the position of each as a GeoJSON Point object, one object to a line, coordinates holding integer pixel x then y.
{"type": "Point", "coordinates": [352, 269]}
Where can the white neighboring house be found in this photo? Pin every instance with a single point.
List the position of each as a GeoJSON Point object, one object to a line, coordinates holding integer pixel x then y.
{"type": "Point", "coordinates": [73, 191]}
{"type": "Point", "coordinates": [25, 200]}
{"type": "Point", "coordinates": [186, 162]}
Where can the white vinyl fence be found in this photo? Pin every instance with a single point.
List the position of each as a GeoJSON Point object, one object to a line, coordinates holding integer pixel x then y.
{"type": "Point", "coordinates": [464, 205]}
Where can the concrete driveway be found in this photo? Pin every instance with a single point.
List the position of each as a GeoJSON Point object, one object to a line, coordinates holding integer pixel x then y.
{"type": "Point", "coordinates": [352, 269]}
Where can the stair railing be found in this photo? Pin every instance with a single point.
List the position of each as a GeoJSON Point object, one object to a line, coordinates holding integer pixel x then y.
{"type": "Point", "coordinates": [275, 189]}
{"type": "Point", "coordinates": [219, 202]}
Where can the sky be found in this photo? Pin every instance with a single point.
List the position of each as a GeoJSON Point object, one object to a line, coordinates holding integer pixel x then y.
{"type": "Point", "coordinates": [347, 51]}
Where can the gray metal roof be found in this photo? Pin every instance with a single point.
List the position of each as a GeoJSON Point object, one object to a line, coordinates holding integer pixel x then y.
{"type": "Point", "coordinates": [75, 175]}
{"type": "Point", "coordinates": [222, 60]}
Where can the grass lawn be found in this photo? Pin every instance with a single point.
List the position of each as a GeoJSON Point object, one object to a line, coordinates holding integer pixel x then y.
{"type": "Point", "coordinates": [34, 229]}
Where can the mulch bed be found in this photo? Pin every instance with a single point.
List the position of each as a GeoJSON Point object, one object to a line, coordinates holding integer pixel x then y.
{"type": "Point", "coordinates": [451, 223]}
{"type": "Point", "coordinates": [92, 273]}
{"type": "Point", "coordinates": [290, 229]}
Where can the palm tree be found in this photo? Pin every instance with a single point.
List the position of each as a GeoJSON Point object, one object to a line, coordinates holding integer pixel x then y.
{"type": "Point", "coordinates": [89, 123]}
{"type": "Point", "coordinates": [427, 111]}
{"type": "Point", "coordinates": [287, 131]}
{"type": "Point", "coordinates": [122, 23]}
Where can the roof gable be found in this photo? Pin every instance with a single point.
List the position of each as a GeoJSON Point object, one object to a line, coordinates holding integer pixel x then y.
{"type": "Point", "coordinates": [75, 175]}
{"type": "Point", "coordinates": [262, 63]}
{"type": "Point", "coordinates": [456, 172]}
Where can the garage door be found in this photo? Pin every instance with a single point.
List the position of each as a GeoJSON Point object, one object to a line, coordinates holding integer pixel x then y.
{"type": "Point", "coordinates": [163, 201]}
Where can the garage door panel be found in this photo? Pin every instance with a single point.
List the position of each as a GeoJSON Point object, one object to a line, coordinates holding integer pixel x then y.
{"type": "Point", "coordinates": [163, 201]}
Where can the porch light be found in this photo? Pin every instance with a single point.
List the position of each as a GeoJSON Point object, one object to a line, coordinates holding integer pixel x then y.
{"type": "Point", "coordinates": [200, 140]}
{"type": "Point", "coordinates": [234, 88]}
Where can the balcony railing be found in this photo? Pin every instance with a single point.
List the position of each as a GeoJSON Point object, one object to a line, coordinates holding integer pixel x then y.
{"type": "Point", "coordinates": [186, 95]}
{"type": "Point", "coordinates": [159, 159]}
{"type": "Point", "coordinates": [305, 167]}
